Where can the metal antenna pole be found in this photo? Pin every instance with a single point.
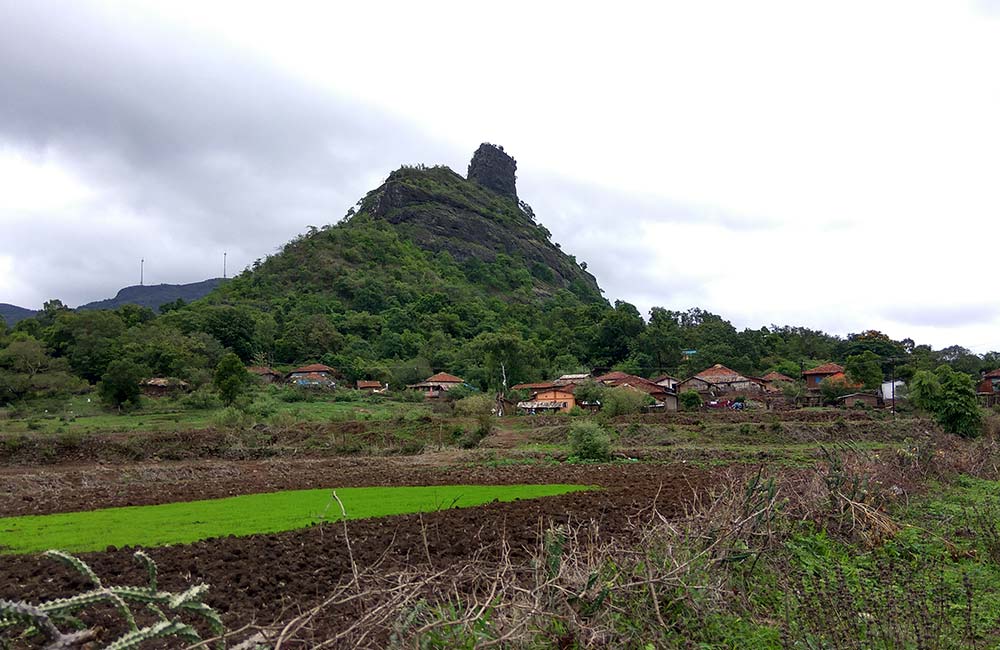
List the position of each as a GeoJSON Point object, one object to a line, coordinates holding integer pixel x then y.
{"type": "Point", "coordinates": [142, 264]}
{"type": "Point", "coordinates": [223, 265]}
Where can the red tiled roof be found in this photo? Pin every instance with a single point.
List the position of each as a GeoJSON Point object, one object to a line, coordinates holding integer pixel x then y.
{"type": "Point", "coordinates": [314, 376]}
{"type": "Point", "coordinates": [719, 372]}
{"type": "Point", "coordinates": [616, 379]}
{"type": "Point", "coordinates": [612, 376]}
{"type": "Point", "coordinates": [444, 378]}
{"type": "Point", "coordinates": [315, 367]}
{"type": "Point", "coordinates": [368, 383]}
{"type": "Point", "coordinates": [776, 376]}
{"type": "Point", "coordinates": [533, 385]}
{"type": "Point", "coordinates": [993, 373]}
{"type": "Point", "coordinates": [552, 389]}
{"type": "Point", "coordinates": [825, 369]}
{"type": "Point", "coordinates": [657, 380]}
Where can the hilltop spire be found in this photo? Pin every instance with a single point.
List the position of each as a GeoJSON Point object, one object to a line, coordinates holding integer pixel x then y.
{"type": "Point", "coordinates": [494, 170]}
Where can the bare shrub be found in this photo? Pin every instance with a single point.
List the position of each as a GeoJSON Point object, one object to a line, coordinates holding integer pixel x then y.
{"type": "Point", "coordinates": [43, 621]}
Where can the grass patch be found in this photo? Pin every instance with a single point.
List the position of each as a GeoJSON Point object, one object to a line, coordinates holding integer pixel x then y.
{"type": "Point", "coordinates": [184, 522]}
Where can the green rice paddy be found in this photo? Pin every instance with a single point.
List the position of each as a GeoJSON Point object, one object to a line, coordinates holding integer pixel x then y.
{"type": "Point", "coordinates": [184, 522]}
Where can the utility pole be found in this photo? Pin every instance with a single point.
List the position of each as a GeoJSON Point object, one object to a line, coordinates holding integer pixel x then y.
{"type": "Point", "coordinates": [142, 265]}
{"type": "Point", "coordinates": [224, 265]}
{"type": "Point", "coordinates": [892, 378]}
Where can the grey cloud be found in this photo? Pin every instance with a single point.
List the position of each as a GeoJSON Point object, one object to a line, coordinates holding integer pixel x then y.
{"type": "Point", "coordinates": [601, 226]}
{"type": "Point", "coordinates": [211, 148]}
{"type": "Point", "coordinates": [944, 315]}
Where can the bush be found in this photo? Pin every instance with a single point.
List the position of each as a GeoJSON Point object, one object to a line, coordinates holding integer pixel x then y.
{"type": "Point", "coordinates": [412, 396]}
{"type": "Point", "coordinates": [120, 384]}
{"type": "Point", "coordinates": [690, 400]}
{"type": "Point", "coordinates": [589, 441]}
{"type": "Point", "coordinates": [951, 398]}
{"type": "Point", "coordinates": [474, 405]}
{"type": "Point", "coordinates": [232, 418]}
{"type": "Point", "coordinates": [623, 401]}
{"type": "Point", "coordinates": [231, 378]}
{"type": "Point", "coordinates": [292, 395]}
{"type": "Point", "coordinates": [201, 399]}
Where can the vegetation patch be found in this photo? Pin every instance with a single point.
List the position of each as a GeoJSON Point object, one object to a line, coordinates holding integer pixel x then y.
{"type": "Point", "coordinates": [183, 522]}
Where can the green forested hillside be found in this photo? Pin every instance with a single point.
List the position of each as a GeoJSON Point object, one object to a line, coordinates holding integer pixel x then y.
{"type": "Point", "coordinates": [428, 272]}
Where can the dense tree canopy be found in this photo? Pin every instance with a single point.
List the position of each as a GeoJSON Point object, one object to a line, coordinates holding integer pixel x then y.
{"type": "Point", "coordinates": [406, 287]}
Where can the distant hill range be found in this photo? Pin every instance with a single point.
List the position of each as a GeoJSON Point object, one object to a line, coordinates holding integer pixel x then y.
{"type": "Point", "coordinates": [151, 296]}
{"type": "Point", "coordinates": [12, 313]}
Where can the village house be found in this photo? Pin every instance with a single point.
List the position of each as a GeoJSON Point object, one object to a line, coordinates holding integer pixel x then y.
{"type": "Point", "coordinates": [725, 381]}
{"type": "Point", "coordinates": [857, 400]}
{"type": "Point", "coordinates": [667, 382]}
{"type": "Point", "coordinates": [266, 375]}
{"type": "Point", "coordinates": [774, 380]}
{"type": "Point", "coordinates": [664, 397]}
{"type": "Point", "coordinates": [990, 383]}
{"type": "Point", "coordinates": [433, 386]}
{"type": "Point", "coordinates": [163, 387]}
{"type": "Point", "coordinates": [534, 386]}
{"type": "Point", "coordinates": [314, 375]}
{"type": "Point", "coordinates": [988, 389]}
{"type": "Point", "coordinates": [371, 386]}
{"type": "Point", "coordinates": [575, 378]}
{"type": "Point", "coordinates": [551, 400]}
{"type": "Point", "coordinates": [815, 376]}
{"type": "Point", "coordinates": [704, 388]}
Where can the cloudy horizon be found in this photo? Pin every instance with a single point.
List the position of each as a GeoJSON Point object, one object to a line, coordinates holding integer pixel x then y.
{"type": "Point", "coordinates": [827, 166]}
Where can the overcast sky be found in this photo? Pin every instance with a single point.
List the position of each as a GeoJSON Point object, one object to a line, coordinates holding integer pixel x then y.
{"type": "Point", "coordinates": [828, 164]}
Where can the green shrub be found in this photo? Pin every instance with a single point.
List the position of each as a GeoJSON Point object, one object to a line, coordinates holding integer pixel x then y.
{"type": "Point", "coordinates": [474, 405]}
{"type": "Point", "coordinates": [690, 400]}
{"type": "Point", "coordinates": [951, 397]}
{"type": "Point", "coordinates": [231, 378]}
{"type": "Point", "coordinates": [119, 386]}
{"type": "Point", "coordinates": [623, 401]}
{"type": "Point", "coordinates": [589, 441]}
{"type": "Point", "coordinates": [412, 396]}
{"type": "Point", "coordinates": [232, 418]}
{"type": "Point", "coordinates": [201, 399]}
{"type": "Point", "coordinates": [292, 394]}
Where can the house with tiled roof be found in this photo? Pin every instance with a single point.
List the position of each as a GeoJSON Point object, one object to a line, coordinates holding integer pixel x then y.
{"type": "Point", "coordinates": [773, 381]}
{"type": "Point", "coordinates": [533, 386]}
{"type": "Point", "coordinates": [313, 375]}
{"type": "Point", "coordinates": [573, 378]}
{"type": "Point", "coordinates": [553, 399]}
{"type": "Point", "coordinates": [815, 376]}
{"type": "Point", "coordinates": [720, 380]}
{"type": "Point", "coordinates": [370, 385]}
{"type": "Point", "coordinates": [663, 396]}
{"type": "Point", "coordinates": [667, 381]}
{"type": "Point", "coordinates": [990, 383]}
{"type": "Point", "coordinates": [437, 384]}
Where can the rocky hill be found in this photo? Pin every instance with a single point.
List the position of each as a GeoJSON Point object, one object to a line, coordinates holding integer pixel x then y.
{"type": "Point", "coordinates": [423, 263]}
{"type": "Point", "coordinates": [424, 229]}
